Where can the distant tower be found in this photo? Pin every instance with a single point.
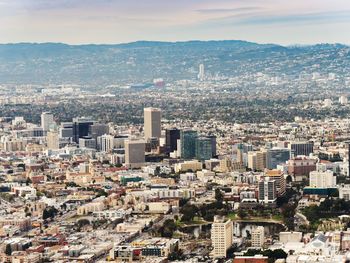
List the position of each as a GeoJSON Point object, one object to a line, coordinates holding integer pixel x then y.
{"type": "Point", "coordinates": [46, 120]}
{"type": "Point", "coordinates": [152, 123]}
{"type": "Point", "coordinates": [343, 100]}
{"type": "Point", "coordinates": [201, 74]}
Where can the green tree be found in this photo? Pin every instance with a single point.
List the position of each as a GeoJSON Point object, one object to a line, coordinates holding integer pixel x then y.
{"type": "Point", "coordinates": [8, 250]}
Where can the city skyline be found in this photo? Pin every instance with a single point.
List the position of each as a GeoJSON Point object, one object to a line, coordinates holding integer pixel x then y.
{"type": "Point", "coordinates": [114, 21]}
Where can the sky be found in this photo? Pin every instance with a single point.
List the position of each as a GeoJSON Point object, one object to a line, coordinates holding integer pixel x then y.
{"type": "Point", "coordinates": [283, 22]}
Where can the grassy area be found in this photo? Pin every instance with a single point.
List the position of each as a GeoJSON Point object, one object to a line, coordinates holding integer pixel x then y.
{"type": "Point", "coordinates": [234, 217]}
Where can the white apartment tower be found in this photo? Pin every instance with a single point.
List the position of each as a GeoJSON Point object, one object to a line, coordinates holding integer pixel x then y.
{"type": "Point", "coordinates": [47, 120]}
{"type": "Point", "coordinates": [221, 236]}
{"type": "Point", "coordinates": [258, 237]}
{"type": "Point", "coordinates": [152, 123]}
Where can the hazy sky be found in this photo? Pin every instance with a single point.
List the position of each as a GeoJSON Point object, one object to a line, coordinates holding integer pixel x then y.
{"type": "Point", "coordinates": [115, 21]}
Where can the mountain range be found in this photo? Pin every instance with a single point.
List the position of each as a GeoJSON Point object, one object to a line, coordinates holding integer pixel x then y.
{"type": "Point", "coordinates": [140, 62]}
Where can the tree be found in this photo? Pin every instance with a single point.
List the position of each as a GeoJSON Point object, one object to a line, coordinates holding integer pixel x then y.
{"type": "Point", "coordinates": [219, 196]}
{"type": "Point", "coordinates": [8, 250]}
{"type": "Point", "coordinates": [168, 228]}
{"type": "Point", "coordinates": [189, 211]}
{"type": "Point", "coordinates": [49, 212]}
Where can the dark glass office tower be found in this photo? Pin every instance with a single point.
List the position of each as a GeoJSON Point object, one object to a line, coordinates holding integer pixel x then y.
{"type": "Point", "coordinates": [171, 137]}
{"type": "Point", "coordinates": [81, 128]}
{"type": "Point", "coordinates": [188, 144]}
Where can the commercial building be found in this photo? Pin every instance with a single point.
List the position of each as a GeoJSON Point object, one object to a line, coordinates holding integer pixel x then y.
{"type": "Point", "coordinates": [81, 128]}
{"type": "Point", "coordinates": [188, 144]}
{"type": "Point", "coordinates": [152, 123]}
{"type": "Point", "coordinates": [221, 236]}
{"type": "Point", "coordinates": [203, 148]}
{"type": "Point", "coordinates": [171, 137]}
{"type": "Point", "coordinates": [47, 121]}
{"type": "Point", "coordinates": [276, 156]}
{"type": "Point", "coordinates": [301, 148]}
{"type": "Point", "coordinates": [134, 153]}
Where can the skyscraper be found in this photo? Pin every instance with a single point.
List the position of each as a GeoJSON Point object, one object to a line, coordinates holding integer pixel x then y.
{"type": "Point", "coordinates": [47, 120]}
{"type": "Point", "coordinates": [81, 128]}
{"type": "Point", "coordinates": [213, 144]}
{"type": "Point", "coordinates": [152, 123]}
{"type": "Point", "coordinates": [201, 73]}
{"type": "Point", "coordinates": [203, 148]}
{"type": "Point", "coordinates": [171, 137]}
{"type": "Point", "coordinates": [188, 144]}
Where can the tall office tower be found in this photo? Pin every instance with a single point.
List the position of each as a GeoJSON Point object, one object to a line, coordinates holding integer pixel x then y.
{"type": "Point", "coordinates": [99, 129]}
{"type": "Point", "coordinates": [203, 148]}
{"type": "Point", "coordinates": [47, 120]}
{"type": "Point", "coordinates": [201, 73]}
{"type": "Point", "coordinates": [320, 179]}
{"type": "Point", "coordinates": [301, 148]}
{"type": "Point", "coordinates": [81, 128]}
{"type": "Point", "coordinates": [152, 123]}
{"type": "Point", "coordinates": [213, 144]}
{"type": "Point", "coordinates": [221, 236]}
{"type": "Point", "coordinates": [87, 142]}
{"type": "Point", "coordinates": [267, 191]}
{"type": "Point", "coordinates": [105, 143]}
{"type": "Point", "coordinates": [188, 144]}
{"type": "Point", "coordinates": [134, 153]}
{"type": "Point", "coordinates": [52, 140]}
{"type": "Point", "coordinates": [171, 137]}
{"type": "Point", "coordinates": [258, 237]}
{"type": "Point", "coordinates": [276, 156]}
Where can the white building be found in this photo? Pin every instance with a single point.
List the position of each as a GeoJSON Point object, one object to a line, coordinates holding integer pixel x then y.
{"type": "Point", "coordinates": [322, 179]}
{"type": "Point", "coordinates": [47, 120]}
{"type": "Point", "coordinates": [258, 237]}
{"type": "Point", "coordinates": [221, 236]}
{"type": "Point", "coordinates": [105, 143]}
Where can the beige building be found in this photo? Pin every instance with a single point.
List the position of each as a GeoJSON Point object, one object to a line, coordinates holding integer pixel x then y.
{"type": "Point", "coordinates": [221, 236]}
{"type": "Point", "coordinates": [134, 153]}
{"type": "Point", "coordinates": [52, 140]}
{"type": "Point", "coordinates": [152, 123]}
{"type": "Point", "coordinates": [188, 165]}
{"type": "Point", "coordinates": [258, 237]}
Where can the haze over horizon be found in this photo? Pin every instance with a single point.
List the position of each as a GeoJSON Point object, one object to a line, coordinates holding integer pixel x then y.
{"type": "Point", "coordinates": [116, 21]}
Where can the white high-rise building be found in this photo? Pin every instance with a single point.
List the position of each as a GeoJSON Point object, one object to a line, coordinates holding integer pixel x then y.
{"type": "Point", "coordinates": [258, 237]}
{"type": "Point", "coordinates": [327, 103]}
{"type": "Point", "coordinates": [201, 74]}
{"type": "Point", "coordinates": [47, 120]}
{"type": "Point", "coordinates": [343, 100]}
{"type": "Point", "coordinates": [152, 123]}
{"type": "Point", "coordinates": [221, 236]}
{"type": "Point", "coordinates": [320, 179]}
{"type": "Point", "coordinates": [105, 143]}
{"type": "Point", "coordinates": [134, 153]}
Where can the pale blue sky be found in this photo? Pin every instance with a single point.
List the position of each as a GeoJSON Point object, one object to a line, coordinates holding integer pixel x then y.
{"type": "Point", "coordinates": [115, 21]}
